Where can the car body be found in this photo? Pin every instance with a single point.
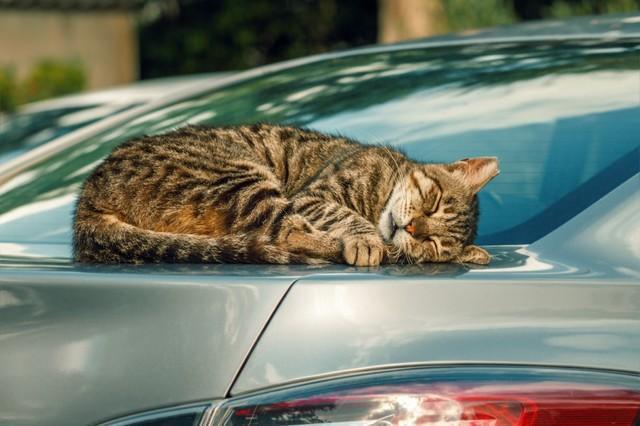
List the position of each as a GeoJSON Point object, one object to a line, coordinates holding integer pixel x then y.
{"type": "Point", "coordinates": [86, 344]}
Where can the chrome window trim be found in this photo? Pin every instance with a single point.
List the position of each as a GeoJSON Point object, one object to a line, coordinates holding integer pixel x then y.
{"type": "Point", "coordinates": [360, 371]}
{"type": "Point", "coordinates": [131, 420]}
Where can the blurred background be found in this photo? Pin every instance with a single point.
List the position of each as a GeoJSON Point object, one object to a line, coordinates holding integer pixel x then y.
{"type": "Point", "coordinates": [50, 48]}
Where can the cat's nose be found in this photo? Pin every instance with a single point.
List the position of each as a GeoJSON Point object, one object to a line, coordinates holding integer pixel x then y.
{"type": "Point", "coordinates": [410, 228]}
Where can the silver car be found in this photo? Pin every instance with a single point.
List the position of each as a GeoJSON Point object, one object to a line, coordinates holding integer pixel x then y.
{"type": "Point", "coordinates": [547, 334]}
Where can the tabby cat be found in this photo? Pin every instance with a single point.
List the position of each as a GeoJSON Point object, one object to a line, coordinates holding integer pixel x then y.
{"type": "Point", "coordinates": [275, 194]}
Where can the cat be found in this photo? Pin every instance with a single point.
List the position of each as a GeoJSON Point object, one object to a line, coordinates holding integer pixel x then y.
{"type": "Point", "coordinates": [276, 194]}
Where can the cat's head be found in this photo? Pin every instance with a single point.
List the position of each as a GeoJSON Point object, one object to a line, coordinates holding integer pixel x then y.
{"type": "Point", "coordinates": [432, 212]}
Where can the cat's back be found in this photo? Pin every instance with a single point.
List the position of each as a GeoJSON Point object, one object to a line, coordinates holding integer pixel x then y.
{"type": "Point", "coordinates": [148, 172]}
{"type": "Point", "coordinates": [159, 169]}
{"type": "Point", "coordinates": [189, 152]}
{"type": "Point", "coordinates": [187, 143]}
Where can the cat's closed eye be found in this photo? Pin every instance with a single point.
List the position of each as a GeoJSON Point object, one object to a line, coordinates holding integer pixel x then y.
{"type": "Point", "coordinates": [430, 196]}
{"type": "Point", "coordinates": [431, 206]}
{"type": "Point", "coordinates": [430, 244]}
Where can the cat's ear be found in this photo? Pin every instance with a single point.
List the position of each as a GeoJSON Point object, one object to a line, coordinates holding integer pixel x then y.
{"type": "Point", "coordinates": [476, 172]}
{"type": "Point", "coordinates": [475, 254]}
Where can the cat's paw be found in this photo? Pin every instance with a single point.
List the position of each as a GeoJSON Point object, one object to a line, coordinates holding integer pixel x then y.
{"type": "Point", "coordinates": [363, 250]}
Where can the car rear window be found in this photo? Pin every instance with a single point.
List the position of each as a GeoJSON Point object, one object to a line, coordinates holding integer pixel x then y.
{"type": "Point", "coordinates": [561, 116]}
{"type": "Point", "coordinates": [24, 131]}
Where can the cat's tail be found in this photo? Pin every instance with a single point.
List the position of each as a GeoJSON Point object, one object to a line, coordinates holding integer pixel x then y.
{"type": "Point", "coordinates": [103, 238]}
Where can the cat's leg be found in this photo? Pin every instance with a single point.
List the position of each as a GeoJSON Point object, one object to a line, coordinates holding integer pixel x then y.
{"type": "Point", "coordinates": [247, 203]}
{"type": "Point", "coordinates": [360, 243]}
{"type": "Point", "coordinates": [253, 204]}
{"type": "Point", "coordinates": [297, 235]}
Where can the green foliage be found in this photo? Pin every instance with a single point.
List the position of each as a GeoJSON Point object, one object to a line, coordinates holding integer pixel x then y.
{"type": "Point", "coordinates": [198, 36]}
{"type": "Point", "coordinates": [51, 78]}
{"type": "Point", "coordinates": [216, 35]}
{"type": "Point", "coordinates": [47, 79]}
{"type": "Point", "coordinates": [470, 14]}
{"type": "Point", "coordinates": [8, 90]}
{"type": "Point", "coordinates": [565, 8]}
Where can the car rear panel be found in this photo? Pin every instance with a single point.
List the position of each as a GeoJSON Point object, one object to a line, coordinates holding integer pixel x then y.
{"type": "Point", "coordinates": [343, 322]}
{"type": "Point", "coordinates": [81, 345]}
{"type": "Point", "coordinates": [567, 300]}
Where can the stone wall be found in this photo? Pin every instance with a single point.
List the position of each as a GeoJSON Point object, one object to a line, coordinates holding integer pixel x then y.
{"type": "Point", "coordinates": [104, 42]}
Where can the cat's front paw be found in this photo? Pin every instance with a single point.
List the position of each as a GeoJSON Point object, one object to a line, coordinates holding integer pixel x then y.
{"type": "Point", "coordinates": [363, 250]}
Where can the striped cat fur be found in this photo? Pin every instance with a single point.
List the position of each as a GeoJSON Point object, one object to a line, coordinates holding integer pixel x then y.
{"type": "Point", "coordinates": [276, 194]}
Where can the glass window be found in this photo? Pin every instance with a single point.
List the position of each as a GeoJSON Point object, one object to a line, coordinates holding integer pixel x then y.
{"type": "Point", "coordinates": [561, 116]}
{"type": "Point", "coordinates": [23, 131]}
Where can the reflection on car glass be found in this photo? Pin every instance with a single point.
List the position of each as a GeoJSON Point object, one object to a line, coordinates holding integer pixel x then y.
{"type": "Point", "coordinates": [524, 103]}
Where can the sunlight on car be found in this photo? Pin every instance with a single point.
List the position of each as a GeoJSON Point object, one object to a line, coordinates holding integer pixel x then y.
{"type": "Point", "coordinates": [551, 135]}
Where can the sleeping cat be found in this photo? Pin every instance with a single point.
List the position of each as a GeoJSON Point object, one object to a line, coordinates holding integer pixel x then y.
{"type": "Point", "coordinates": [273, 194]}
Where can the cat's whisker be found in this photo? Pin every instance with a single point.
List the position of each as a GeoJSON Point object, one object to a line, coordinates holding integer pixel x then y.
{"type": "Point", "coordinates": [397, 175]}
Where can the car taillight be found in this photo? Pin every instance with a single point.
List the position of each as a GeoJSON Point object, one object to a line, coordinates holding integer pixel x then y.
{"type": "Point", "coordinates": [465, 396]}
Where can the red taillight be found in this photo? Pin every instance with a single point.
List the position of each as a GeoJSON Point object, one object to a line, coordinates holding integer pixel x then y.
{"type": "Point", "coordinates": [466, 397]}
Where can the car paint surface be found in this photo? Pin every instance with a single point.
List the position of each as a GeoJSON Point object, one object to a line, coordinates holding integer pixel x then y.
{"type": "Point", "coordinates": [81, 345]}
{"type": "Point", "coordinates": [530, 306]}
{"type": "Point", "coordinates": [131, 338]}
